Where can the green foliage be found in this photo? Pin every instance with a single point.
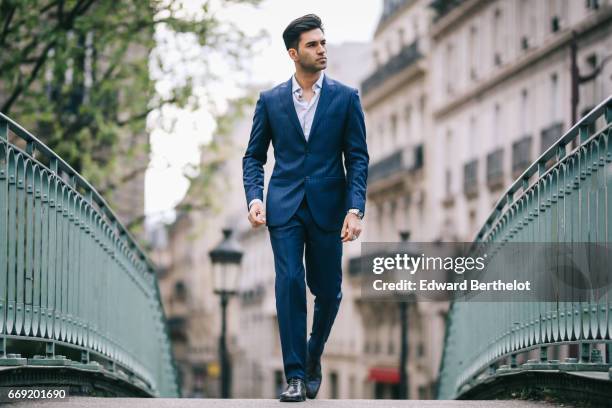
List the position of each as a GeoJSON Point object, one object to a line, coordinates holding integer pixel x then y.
{"type": "Point", "coordinates": [78, 74]}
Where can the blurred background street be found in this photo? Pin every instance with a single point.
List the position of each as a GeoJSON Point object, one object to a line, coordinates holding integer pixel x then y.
{"type": "Point", "coordinates": [460, 97]}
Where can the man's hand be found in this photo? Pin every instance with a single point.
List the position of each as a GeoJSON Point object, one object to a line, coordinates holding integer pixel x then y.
{"type": "Point", "coordinates": [257, 214]}
{"type": "Point", "coordinates": [351, 228]}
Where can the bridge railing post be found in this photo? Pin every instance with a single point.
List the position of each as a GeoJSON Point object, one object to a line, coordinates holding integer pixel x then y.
{"type": "Point", "coordinates": [4, 130]}
{"type": "Point", "coordinates": [585, 352]}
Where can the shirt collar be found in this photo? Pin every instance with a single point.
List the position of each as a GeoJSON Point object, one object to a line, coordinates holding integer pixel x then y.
{"type": "Point", "coordinates": [295, 86]}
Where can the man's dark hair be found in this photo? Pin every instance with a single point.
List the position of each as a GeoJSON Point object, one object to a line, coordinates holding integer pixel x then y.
{"type": "Point", "coordinates": [292, 33]}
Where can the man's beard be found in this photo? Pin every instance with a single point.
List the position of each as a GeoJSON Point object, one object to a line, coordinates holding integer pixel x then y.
{"type": "Point", "coordinates": [312, 68]}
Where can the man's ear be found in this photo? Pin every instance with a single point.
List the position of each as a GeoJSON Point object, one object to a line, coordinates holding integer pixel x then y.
{"type": "Point", "coordinates": [293, 54]}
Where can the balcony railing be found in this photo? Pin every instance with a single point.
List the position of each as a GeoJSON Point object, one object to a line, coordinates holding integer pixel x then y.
{"type": "Point", "coordinates": [443, 7]}
{"type": "Point", "coordinates": [488, 342]}
{"type": "Point", "coordinates": [401, 160]}
{"type": "Point", "coordinates": [77, 293]}
{"type": "Point", "coordinates": [495, 169]}
{"type": "Point", "coordinates": [390, 8]}
{"type": "Point", "coordinates": [406, 57]}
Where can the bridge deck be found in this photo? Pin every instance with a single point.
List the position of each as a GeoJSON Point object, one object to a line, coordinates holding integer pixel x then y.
{"type": "Point", "coordinates": [264, 403]}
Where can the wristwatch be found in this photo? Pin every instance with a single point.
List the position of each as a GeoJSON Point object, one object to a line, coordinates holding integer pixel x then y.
{"type": "Point", "coordinates": [356, 212]}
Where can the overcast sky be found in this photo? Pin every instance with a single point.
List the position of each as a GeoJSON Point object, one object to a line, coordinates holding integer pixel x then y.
{"type": "Point", "coordinates": [343, 20]}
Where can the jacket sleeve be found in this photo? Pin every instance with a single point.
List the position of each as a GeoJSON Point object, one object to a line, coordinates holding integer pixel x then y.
{"type": "Point", "coordinates": [256, 153]}
{"type": "Point", "coordinates": [356, 156]}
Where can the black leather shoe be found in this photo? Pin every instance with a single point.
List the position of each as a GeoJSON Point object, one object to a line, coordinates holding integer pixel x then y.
{"type": "Point", "coordinates": [313, 377]}
{"type": "Point", "coordinates": [295, 392]}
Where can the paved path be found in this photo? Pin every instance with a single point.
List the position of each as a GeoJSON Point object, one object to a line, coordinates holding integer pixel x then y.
{"type": "Point", "coordinates": [265, 403]}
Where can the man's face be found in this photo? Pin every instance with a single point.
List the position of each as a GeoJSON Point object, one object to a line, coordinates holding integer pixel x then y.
{"type": "Point", "coordinates": [312, 52]}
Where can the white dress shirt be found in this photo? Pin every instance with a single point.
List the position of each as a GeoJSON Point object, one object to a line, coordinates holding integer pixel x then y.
{"type": "Point", "coordinates": [306, 109]}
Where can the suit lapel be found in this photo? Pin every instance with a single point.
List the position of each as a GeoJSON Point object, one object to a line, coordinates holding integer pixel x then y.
{"type": "Point", "coordinates": [287, 102]}
{"type": "Point", "coordinates": [327, 94]}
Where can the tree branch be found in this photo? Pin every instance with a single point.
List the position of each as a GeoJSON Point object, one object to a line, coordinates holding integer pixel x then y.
{"type": "Point", "coordinates": [144, 114]}
{"type": "Point", "coordinates": [17, 23]}
{"type": "Point", "coordinates": [7, 23]}
{"type": "Point", "coordinates": [124, 179]}
{"type": "Point", "coordinates": [79, 9]}
{"type": "Point", "coordinates": [21, 86]}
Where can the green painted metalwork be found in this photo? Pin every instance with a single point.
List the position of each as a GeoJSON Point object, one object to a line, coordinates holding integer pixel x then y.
{"type": "Point", "coordinates": [565, 196]}
{"type": "Point", "coordinates": [72, 278]}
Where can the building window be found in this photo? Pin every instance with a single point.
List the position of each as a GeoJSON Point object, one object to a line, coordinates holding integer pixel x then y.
{"type": "Point", "coordinates": [558, 14]}
{"type": "Point", "coordinates": [497, 125]}
{"type": "Point", "coordinates": [447, 160]}
{"type": "Point", "coordinates": [180, 291]}
{"type": "Point", "coordinates": [554, 97]}
{"type": "Point", "coordinates": [497, 37]}
{"type": "Point", "coordinates": [393, 212]}
{"type": "Point", "coordinates": [408, 119]}
{"type": "Point", "coordinates": [521, 155]}
{"type": "Point", "coordinates": [451, 68]}
{"type": "Point", "coordinates": [524, 112]}
{"type": "Point", "coordinates": [472, 221]}
{"type": "Point", "coordinates": [470, 178]}
{"type": "Point", "coordinates": [423, 394]}
{"type": "Point", "coordinates": [527, 21]}
{"type": "Point", "coordinates": [473, 136]}
{"type": "Point", "coordinates": [448, 182]}
{"type": "Point", "coordinates": [333, 385]}
{"type": "Point", "coordinates": [380, 138]}
{"type": "Point", "coordinates": [422, 103]}
{"type": "Point", "coordinates": [379, 218]}
{"type": "Point", "coordinates": [472, 140]}
{"type": "Point", "coordinates": [401, 37]}
{"type": "Point", "coordinates": [473, 44]}
{"type": "Point", "coordinates": [420, 349]}
{"type": "Point", "coordinates": [495, 169]}
{"type": "Point", "coordinates": [279, 384]}
{"type": "Point", "coordinates": [592, 4]}
{"type": "Point", "coordinates": [394, 129]}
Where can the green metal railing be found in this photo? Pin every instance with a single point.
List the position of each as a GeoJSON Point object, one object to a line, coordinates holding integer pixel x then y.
{"type": "Point", "coordinates": [76, 290]}
{"type": "Point", "coordinates": [565, 196]}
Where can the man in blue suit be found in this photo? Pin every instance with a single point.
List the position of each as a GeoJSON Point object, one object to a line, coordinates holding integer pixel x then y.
{"type": "Point", "coordinates": [313, 205]}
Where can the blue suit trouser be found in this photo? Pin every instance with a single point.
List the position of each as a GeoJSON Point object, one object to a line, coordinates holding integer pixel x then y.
{"type": "Point", "coordinates": [323, 255]}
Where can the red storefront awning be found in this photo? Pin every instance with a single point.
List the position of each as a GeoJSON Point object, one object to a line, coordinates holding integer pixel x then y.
{"type": "Point", "coordinates": [387, 375]}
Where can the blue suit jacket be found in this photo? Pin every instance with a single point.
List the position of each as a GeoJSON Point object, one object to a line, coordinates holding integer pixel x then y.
{"type": "Point", "coordinates": [313, 168]}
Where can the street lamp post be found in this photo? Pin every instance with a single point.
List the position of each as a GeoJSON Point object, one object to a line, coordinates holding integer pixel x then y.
{"type": "Point", "coordinates": [225, 258]}
{"type": "Point", "coordinates": [403, 312]}
{"type": "Point", "coordinates": [577, 78]}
